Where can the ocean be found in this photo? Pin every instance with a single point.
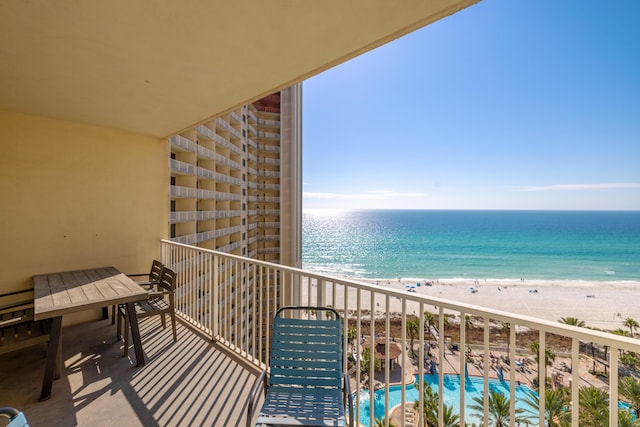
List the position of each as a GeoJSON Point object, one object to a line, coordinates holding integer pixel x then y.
{"type": "Point", "coordinates": [473, 244]}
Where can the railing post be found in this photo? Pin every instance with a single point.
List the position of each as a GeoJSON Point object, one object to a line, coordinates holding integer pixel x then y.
{"type": "Point", "coordinates": [542, 374]}
{"type": "Point", "coordinates": [613, 388]}
{"type": "Point", "coordinates": [463, 362]}
{"type": "Point", "coordinates": [575, 382]}
{"type": "Point", "coordinates": [215, 296]}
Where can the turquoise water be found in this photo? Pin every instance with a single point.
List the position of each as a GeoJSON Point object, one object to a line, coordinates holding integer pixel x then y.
{"type": "Point", "coordinates": [571, 245]}
{"type": "Point", "coordinates": [474, 387]}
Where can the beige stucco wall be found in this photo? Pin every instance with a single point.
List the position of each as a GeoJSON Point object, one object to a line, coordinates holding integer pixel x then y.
{"type": "Point", "coordinates": [76, 196]}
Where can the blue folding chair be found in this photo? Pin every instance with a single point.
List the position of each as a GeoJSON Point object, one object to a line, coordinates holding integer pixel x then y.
{"type": "Point", "coordinates": [305, 385]}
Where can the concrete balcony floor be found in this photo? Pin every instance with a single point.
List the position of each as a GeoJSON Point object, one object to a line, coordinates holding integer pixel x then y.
{"type": "Point", "coordinates": [192, 382]}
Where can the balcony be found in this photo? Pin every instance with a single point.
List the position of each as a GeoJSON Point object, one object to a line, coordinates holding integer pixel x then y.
{"type": "Point", "coordinates": [226, 303]}
{"type": "Point", "coordinates": [180, 143]}
{"type": "Point", "coordinates": [268, 135]}
{"type": "Point", "coordinates": [191, 382]}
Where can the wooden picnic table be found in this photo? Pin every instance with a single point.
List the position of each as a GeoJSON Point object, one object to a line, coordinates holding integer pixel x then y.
{"type": "Point", "coordinates": [57, 294]}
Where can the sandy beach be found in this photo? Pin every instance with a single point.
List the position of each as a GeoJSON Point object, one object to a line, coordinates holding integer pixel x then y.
{"type": "Point", "coordinates": [602, 305]}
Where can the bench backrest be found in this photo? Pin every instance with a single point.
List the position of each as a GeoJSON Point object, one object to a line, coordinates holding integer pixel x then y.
{"type": "Point", "coordinates": [307, 352]}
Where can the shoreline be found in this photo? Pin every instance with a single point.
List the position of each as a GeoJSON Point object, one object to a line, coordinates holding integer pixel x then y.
{"type": "Point", "coordinates": [600, 304]}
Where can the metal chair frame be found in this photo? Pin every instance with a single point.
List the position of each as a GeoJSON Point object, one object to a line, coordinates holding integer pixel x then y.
{"type": "Point", "coordinates": [305, 383]}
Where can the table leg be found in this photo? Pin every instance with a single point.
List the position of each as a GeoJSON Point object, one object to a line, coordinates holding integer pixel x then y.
{"type": "Point", "coordinates": [52, 356]}
{"type": "Point", "coordinates": [135, 333]}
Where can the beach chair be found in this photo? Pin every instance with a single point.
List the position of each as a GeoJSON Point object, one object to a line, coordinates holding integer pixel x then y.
{"type": "Point", "coordinates": [304, 384]}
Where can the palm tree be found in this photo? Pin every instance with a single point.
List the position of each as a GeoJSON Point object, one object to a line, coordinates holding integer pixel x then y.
{"type": "Point", "coordinates": [626, 419]}
{"type": "Point", "coordinates": [631, 324]}
{"type": "Point", "coordinates": [549, 356]}
{"type": "Point", "coordinates": [506, 328]}
{"type": "Point", "coordinates": [352, 334]}
{"type": "Point", "coordinates": [429, 321]}
{"type": "Point", "coordinates": [449, 419]}
{"type": "Point", "coordinates": [468, 323]}
{"type": "Point", "coordinates": [629, 387]}
{"type": "Point", "coordinates": [572, 321]}
{"type": "Point", "coordinates": [556, 406]}
{"type": "Point", "coordinates": [498, 409]}
{"type": "Point", "coordinates": [430, 409]}
{"type": "Point", "coordinates": [381, 422]}
{"type": "Point", "coordinates": [412, 329]}
{"type": "Point", "coordinates": [621, 332]}
{"type": "Point", "coordinates": [594, 407]}
{"type": "Point", "coordinates": [630, 359]}
{"type": "Point", "coordinates": [365, 364]}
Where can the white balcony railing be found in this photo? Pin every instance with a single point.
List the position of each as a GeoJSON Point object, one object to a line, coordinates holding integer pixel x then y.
{"type": "Point", "coordinates": [232, 299]}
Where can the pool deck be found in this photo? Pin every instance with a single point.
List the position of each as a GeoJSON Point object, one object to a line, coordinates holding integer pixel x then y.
{"type": "Point", "coordinates": [451, 365]}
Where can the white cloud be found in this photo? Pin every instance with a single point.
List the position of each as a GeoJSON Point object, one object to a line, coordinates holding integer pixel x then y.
{"type": "Point", "coordinates": [377, 194]}
{"type": "Point", "coordinates": [605, 186]}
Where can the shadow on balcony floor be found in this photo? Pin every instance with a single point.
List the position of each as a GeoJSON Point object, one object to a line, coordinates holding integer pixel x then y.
{"type": "Point", "coordinates": [191, 382]}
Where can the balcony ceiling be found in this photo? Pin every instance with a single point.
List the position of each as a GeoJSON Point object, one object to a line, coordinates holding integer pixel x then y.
{"type": "Point", "coordinates": [156, 68]}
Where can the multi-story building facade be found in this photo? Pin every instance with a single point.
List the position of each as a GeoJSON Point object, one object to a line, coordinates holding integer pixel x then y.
{"type": "Point", "coordinates": [235, 187]}
{"type": "Point", "coordinates": [235, 181]}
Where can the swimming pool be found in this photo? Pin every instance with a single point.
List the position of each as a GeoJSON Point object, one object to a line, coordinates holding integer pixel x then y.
{"type": "Point", "coordinates": [474, 387]}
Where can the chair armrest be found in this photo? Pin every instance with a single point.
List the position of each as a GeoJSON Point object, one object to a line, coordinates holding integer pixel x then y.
{"type": "Point", "coordinates": [148, 282]}
{"type": "Point", "coordinates": [349, 397]}
{"type": "Point", "coordinates": [254, 394]}
{"type": "Point", "coordinates": [137, 275]}
{"type": "Point", "coordinates": [154, 294]}
{"type": "Point", "coordinates": [160, 294]}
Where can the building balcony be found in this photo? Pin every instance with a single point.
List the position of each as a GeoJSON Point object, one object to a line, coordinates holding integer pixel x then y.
{"type": "Point", "coordinates": [268, 135]}
{"type": "Point", "coordinates": [226, 126]}
{"type": "Point", "coordinates": [177, 192]}
{"type": "Point", "coordinates": [235, 117]}
{"type": "Point", "coordinates": [268, 173]}
{"type": "Point", "coordinates": [269, 148]}
{"type": "Point", "coordinates": [182, 168]}
{"type": "Point", "coordinates": [226, 305]}
{"type": "Point", "coordinates": [267, 122]}
{"type": "Point", "coordinates": [270, 225]}
{"type": "Point", "coordinates": [180, 143]}
{"type": "Point", "coordinates": [205, 132]}
{"type": "Point", "coordinates": [182, 216]}
{"type": "Point", "coordinates": [274, 187]}
{"type": "Point", "coordinates": [269, 238]}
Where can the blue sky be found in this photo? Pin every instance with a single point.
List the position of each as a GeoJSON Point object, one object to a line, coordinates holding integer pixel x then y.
{"type": "Point", "coordinates": [505, 105]}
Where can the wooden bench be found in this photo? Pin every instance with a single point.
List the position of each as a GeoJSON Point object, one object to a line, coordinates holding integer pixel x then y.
{"type": "Point", "coordinates": [18, 329]}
